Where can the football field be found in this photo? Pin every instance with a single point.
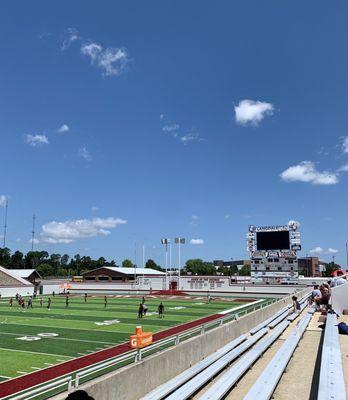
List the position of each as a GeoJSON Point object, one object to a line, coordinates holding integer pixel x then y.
{"type": "Point", "coordinates": [37, 338]}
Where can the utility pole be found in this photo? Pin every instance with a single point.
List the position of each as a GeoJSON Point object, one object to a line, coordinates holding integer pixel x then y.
{"type": "Point", "coordinates": [33, 233]}
{"type": "Point", "coordinates": [179, 241]}
{"type": "Point", "coordinates": [166, 241]}
{"type": "Point", "coordinates": [5, 224]}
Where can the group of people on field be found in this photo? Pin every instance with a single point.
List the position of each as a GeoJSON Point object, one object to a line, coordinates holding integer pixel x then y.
{"type": "Point", "coordinates": [143, 308]}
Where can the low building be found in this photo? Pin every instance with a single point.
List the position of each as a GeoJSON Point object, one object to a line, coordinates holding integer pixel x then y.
{"type": "Point", "coordinates": [119, 274]}
{"type": "Point", "coordinates": [311, 266]}
{"type": "Point", "coordinates": [31, 275]}
{"type": "Point", "coordinates": [231, 263]}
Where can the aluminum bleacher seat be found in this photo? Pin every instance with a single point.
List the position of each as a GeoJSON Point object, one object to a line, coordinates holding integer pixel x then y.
{"type": "Point", "coordinates": [331, 381]}
{"type": "Point", "coordinates": [223, 385]}
{"type": "Point", "coordinates": [190, 387]}
{"type": "Point", "coordinates": [265, 385]}
{"type": "Point", "coordinates": [165, 389]}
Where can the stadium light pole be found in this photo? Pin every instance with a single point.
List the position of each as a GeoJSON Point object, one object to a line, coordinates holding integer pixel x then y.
{"type": "Point", "coordinates": [166, 241]}
{"type": "Point", "coordinates": [179, 241]}
{"type": "Point", "coordinates": [347, 255]}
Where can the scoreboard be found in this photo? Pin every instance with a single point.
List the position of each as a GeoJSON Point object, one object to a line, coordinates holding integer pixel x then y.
{"type": "Point", "coordinates": [273, 253]}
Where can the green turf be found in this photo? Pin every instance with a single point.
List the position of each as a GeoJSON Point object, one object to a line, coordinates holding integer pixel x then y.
{"type": "Point", "coordinates": [78, 330]}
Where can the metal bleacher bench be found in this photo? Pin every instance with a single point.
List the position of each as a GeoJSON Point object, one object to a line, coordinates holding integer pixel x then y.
{"type": "Point", "coordinates": [231, 377]}
{"type": "Point", "coordinates": [265, 385]}
{"type": "Point", "coordinates": [275, 319]}
{"type": "Point", "coordinates": [165, 389]}
{"type": "Point", "coordinates": [331, 381]}
{"type": "Point", "coordinates": [192, 386]}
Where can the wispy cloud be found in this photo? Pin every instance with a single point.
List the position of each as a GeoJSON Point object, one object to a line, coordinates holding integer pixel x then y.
{"type": "Point", "coordinates": [84, 153]}
{"type": "Point", "coordinates": [3, 200]}
{"type": "Point", "coordinates": [69, 36]}
{"type": "Point", "coordinates": [170, 128]}
{"type": "Point", "coordinates": [36, 140]}
{"type": "Point", "coordinates": [196, 241]}
{"type": "Point", "coordinates": [332, 251]}
{"type": "Point", "coordinates": [252, 112]}
{"type": "Point", "coordinates": [63, 129]}
{"type": "Point", "coordinates": [191, 137]}
{"type": "Point", "coordinates": [112, 60]}
{"type": "Point", "coordinates": [194, 219]}
{"type": "Point", "coordinates": [71, 230]}
{"type": "Point", "coordinates": [345, 145]}
{"type": "Point", "coordinates": [306, 172]}
{"type": "Point", "coordinates": [344, 168]}
{"type": "Point", "coordinates": [94, 208]}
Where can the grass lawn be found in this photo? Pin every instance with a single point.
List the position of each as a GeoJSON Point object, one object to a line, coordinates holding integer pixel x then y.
{"type": "Point", "coordinates": [37, 337]}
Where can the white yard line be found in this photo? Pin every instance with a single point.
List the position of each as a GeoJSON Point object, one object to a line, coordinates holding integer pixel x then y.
{"type": "Point", "coordinates": [52, 327]}
{"type": "Point", "coordinates": [49, 364]}
{"type": "Point", "coordinates": [35, 352]}
{"type": "Point", "coordinates": [21, 372]}
{"type": "Point", "coordinates": [58, 338]}
{"type": "Point", "coordinates": [240, 307]}
{"type": "Point", "coordinates": [35, 368]}
{"type": "Point", "coordinates": [6, 377]}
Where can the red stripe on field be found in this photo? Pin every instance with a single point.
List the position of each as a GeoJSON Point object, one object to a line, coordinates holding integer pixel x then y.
{"type": "Point", "coordinates": [15, 385]}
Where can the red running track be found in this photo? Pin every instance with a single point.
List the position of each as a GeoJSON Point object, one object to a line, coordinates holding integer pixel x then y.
{"type": "Point", "coordinates": [35, 378]}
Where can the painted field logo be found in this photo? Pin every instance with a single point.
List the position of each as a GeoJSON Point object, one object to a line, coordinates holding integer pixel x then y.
{"type": "Point", "coordinates": [39, 336]}
{"type": "Point", "coordinates": [106, 323]}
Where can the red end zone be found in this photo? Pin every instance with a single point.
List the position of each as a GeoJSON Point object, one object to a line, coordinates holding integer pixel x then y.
{"type": "Point", "coordinates": [35, 378]}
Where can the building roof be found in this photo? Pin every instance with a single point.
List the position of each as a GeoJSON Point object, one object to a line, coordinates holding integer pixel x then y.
{"type": "Point", "coordinates": [10, 273]}
{"type": "Point", "coordinates": [135, 271]}
{"type": "Point", "coordinates": [130, 271]}
{"type": "Point", "coordinates": [24, 273]}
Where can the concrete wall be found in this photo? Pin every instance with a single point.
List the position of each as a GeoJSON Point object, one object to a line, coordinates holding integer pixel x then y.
{"type": "Point", "coordinates": [339, 298]}
{"type": "Point", "coordinates": [10, 291]}
{"type": "Point", "coordinates": [159, 368]}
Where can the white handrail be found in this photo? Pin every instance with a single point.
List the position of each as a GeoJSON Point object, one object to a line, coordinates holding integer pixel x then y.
{"type": "Point", "coordinates": [44, 389]}
{"type": "Point", "coordinates": [106, 364]}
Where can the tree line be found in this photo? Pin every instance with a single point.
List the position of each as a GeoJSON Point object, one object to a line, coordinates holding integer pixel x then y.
{"type": "Point", "coordinates": [62, 265]}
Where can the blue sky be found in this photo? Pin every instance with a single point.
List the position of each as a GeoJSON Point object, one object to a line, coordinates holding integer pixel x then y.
{"type": "Point", "coordinates": [125, 122]}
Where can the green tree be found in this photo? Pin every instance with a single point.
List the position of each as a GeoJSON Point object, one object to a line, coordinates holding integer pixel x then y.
{"type": "Point", "coordinates": [151, 264]}
{"type": "Point", "coordinates": [5, 256]}
{"type": "Point", "coordinates": [127, 263]}
{"type": "Point", "coordinates": [45, 269]}
{"type": "Point", "coordinates": [245, 271]}
{"type": "Point", "coordinates": [17, 260]}
{"type": "Point", "coordinates": [35, 258]}
{"type": "Point", "coordinates": [199, 267]}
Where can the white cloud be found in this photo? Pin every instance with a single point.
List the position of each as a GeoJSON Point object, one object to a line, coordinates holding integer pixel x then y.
{"type": "Point", "coordinates": [344, 168]}
{"type": "Point", "coordinates": [161, 116]}
{"type": "Point", "coordinates": [170, 128]}
{"type": "Point", "coordinates": [320, 250]}
{"type": "Point", "coordinates": [34, 241]}
{"type": "Point", "coordinates": [317, 250]}
{"type": "Point", "coordinates": [307, 172]}
{"type": "Point", "coordinates": [252, 112]}
{"type": "Point", "coordinates": [345, 145]}
{"type": "Point", "coordinates": [64, 128]}
{"type": "Point", "coordinates": [69, 36]}
{"type": "Point", "coordinates": [196, 241]}
{"type": "Point", "coordinates": [112, 60]}
{"type": "Point", "coordinates": [69, 231]}
{"type": "Point", "coordinates": [84, 153]}
{"type": "Point", "coordinates": [94, 208]}
{"type": "Point", "coordinates": [227, 216]}
{"type": "Point", "coordinates": [36, 140]}
{"type": "Point", "coordinates": [3, 200]}
{"type": "Point", "coordinates": [194, 220]}
{"type": "Point", "coordinates": [190, 137]}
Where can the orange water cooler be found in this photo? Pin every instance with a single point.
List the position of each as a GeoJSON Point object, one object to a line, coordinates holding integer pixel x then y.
{"type": "Point", "coordinates": [140, 339]}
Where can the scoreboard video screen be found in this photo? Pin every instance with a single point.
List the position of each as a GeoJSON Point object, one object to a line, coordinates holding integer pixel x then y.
{"type": "Point", "coordinates": [273, 240]}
